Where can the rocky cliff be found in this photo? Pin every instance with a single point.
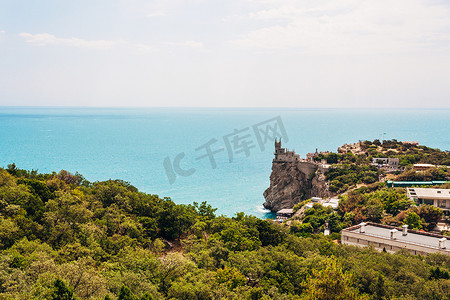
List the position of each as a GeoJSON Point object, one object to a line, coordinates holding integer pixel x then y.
{"type": "Point", "coordinates": [293, 182]}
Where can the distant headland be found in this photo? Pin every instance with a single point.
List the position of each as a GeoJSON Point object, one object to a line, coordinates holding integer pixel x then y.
{"type": "Point", "coordinates": [326, 174]}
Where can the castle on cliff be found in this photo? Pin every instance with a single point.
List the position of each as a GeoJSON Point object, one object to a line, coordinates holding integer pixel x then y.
{"type": "Point", "coordinates": [294, 179]}
{"type": "Point", "coordinates": [283, 154]}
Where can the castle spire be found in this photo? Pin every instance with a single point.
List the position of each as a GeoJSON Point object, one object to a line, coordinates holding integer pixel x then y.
{"type": "Point", "coordinates": [277, 144]}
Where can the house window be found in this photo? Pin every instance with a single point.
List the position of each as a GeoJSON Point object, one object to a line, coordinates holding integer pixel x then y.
{"type": "Point", "coordinates": [428, 201]}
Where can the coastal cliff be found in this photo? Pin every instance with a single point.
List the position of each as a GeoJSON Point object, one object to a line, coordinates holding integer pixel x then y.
{"type": "Point", "coordinates": [293, 182]}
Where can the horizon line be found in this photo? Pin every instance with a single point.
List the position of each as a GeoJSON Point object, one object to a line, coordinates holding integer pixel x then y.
{"type": "Point", "coordinates": [222, 107]}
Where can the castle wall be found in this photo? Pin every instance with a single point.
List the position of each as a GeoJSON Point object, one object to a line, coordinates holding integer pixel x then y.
{"type": "Point", "coordinates": [307, 167]}
{"type": "Point", "coordinates": [287, 157]}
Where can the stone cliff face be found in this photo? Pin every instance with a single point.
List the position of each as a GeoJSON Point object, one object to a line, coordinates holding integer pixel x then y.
{"type": "Point", "coordinates": [293, 182]}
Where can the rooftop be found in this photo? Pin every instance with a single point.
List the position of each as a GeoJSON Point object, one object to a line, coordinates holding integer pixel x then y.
{"type": "Point", "coordinates": [286, 211]}
{"type": "Point", "coordinates": [333, 202]}
{"type": "Point", "coordinates": [424, 193]}
{"type": "Point", "coordinates": [424, 165]}
{"type": "Point", "coordinates": [411, 183]}
{"type": "Point", "coordinates": [413, 237]}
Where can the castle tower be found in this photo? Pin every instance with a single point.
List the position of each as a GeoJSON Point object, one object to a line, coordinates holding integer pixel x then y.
{"type": "Point", "coordinates": [278, 149]}
{"type": "Point", "coordinates": [277, 145]}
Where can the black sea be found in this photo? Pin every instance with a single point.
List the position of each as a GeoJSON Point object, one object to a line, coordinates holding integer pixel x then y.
{"type": "Point", "coordinates": [222, 156]}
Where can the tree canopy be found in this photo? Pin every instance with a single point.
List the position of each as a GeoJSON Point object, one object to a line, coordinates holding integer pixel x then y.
{"type": "Point", "coordinates": [62, 237]}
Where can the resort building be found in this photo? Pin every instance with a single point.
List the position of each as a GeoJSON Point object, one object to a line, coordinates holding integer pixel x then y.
{"type": "Point", "coordinates": [437, 197]}
{"type": "Point", "coordinates": [284, 214]}
{"type": "Point", "coordinates": [387, 164]}
{"type": "Point", "coordinates": [391, 239]}
{"type": "Point", "coordinates": [423, 167]}
{"type": "Point", "coordinates": [333, 202]}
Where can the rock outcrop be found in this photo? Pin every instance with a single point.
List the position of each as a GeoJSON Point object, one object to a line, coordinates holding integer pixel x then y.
{"type": "Point", "coordinates": [293, 182]}
{"type": "Point", "coordinates": [351, 148]}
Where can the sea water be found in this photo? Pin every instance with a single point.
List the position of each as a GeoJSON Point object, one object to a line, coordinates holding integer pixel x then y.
{"type": "Point", "coordinates": [197, 154]}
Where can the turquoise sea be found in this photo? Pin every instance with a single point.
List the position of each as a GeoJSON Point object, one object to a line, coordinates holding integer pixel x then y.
{"type": "Point", "coordinates": [145, 146]}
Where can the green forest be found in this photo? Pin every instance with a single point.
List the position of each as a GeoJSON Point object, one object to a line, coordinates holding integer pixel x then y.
{"type": "Point", "coordinates": [62, 237]}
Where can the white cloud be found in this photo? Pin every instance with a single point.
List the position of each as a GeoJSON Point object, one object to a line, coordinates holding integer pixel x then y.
{"type": "Point", "coordinates": [193, 44]}
{"type": "Point", "coordinates": [2, 35]}
{"type": "Point", "coordinates": [44, 39]}
{"type": "Point", "coordinates": [188, 44]}
{"type": "Point", "coordinates": [277, 13]}
{"type": "Point", "coordinates": [156, 14]}
{"type": "Point", "coordinates": [235, 53]}
{"type": "Point", "coordinates": [144, 48]}
{"type": "Point", "coordinates": [350, 26]}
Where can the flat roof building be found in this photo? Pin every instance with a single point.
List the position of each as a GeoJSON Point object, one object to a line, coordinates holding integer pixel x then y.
{"type": "Point", "coordinates": [284, 214]}
{"type": "Point", "coordinates": [437, 197]}
{"type": "Point", "coordinates": [393, 239]}
{"type": "Point", "coordinates": [333, 202]}
{"type": "Point", "coordinates": [423, 167]}
{"type": "Point", "coordinates": [413, 183]}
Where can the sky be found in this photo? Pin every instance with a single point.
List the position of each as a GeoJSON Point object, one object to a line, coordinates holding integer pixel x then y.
{"type": "Point", "coordinates": [233, 53]}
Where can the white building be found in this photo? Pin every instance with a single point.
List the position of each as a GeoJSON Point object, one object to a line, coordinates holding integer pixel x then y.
{"type": "Point", "coordinates": [437, 197]}
{"type": "Point", "coordinates": [388, 164]}
{"type": "Point", "coordinates": [389, 238]}
{"type": "Point", "coordinates": [333, 202]}
{"type": "Point", "coordinates": [423, 167]}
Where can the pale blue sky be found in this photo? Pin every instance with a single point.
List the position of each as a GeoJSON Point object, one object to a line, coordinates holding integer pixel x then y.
{"type": "Point", "coordinates": [265, 53]}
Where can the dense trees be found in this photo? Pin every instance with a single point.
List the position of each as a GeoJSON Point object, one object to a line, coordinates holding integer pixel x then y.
{"type": "Point", "coordinates": [331, 283]}
{"type": "Point", "coordinates": [343, 176]}
{"type": "Point", "coordinates": [61, 292]}
{"type": "Point", "coordinates": [62, 237]}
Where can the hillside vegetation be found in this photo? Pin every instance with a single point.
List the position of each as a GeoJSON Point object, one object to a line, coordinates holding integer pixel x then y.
{"type": "Point", "coordinates": [62, 237]}
{"type": "Point", "coordinates": [364, 198]}
{"type": "Point", "coordinates": [354, 167]}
